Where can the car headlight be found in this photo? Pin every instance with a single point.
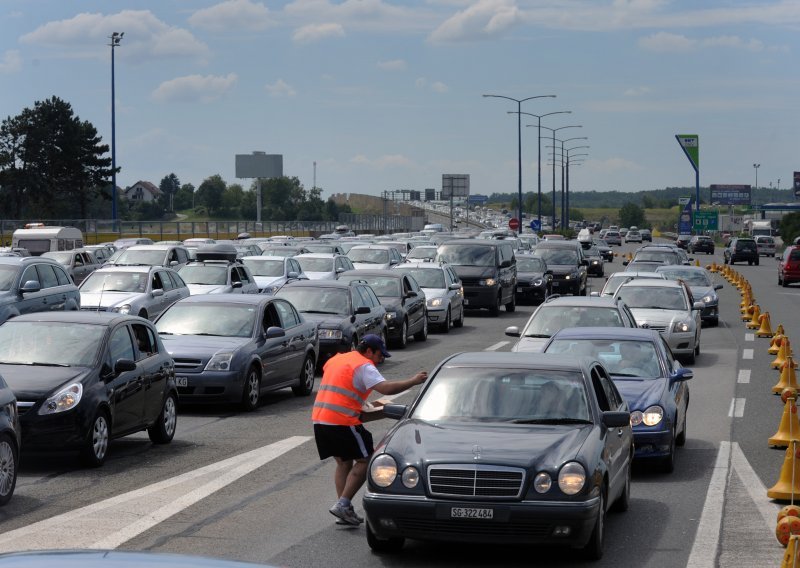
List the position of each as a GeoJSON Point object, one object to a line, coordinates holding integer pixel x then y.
{"type": "Point", "coordinates": [383, 470]}
{"type": "Point", "coordinates": [390, 315]}
{"type": "Point", "coordinates": [542, 482]}
{"type": "Point", "coordinates": [653, 415]}
{"type": "Point", "coordinates": [538, 282]}
{"type": "Point", "coordinates": [487, 282]}
{"type": "Point", "coordinates": [330, 333]}
{"type": "Point", "coordinates": [709, 299]}
{"type": "Point", "coordinates": [568, 277]}
{"type": "Point", "coordinates": [571, 478]}
{"type": "Point", "coordinates": [123, 309]}
{"type": "Point", "coordinates": [65, 399]}
{"type": "Point", "coordinates": [636, 417]}
{"type": "Point", "coordinates": [595, 262]}
{"type": "Point", "coordinates": [410, 477]}
{"type": "Point", "coordinates": [435, 302]}
{"type": "Point", "coordinates": [220, 362]}
{"type": "Point", "coordinates": [681, 326]}
{"type": "Point", "coordinates": [269, 289]}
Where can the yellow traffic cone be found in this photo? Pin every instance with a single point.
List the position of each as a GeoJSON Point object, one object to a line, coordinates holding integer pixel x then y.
{"type": "Point", "coordinates": [712, 267]}
{"type": "Point", "coordinates": [778, 362]}
{"type": "Point", "coordinates": [788, 378]}
{"type": "Point", "coordinates": [775, 344]}
{"type": "Point", "coordinates": [790, 557]}
{"type": "Point", "coordinates": [754, 323]}
{"type": "Point", "coordinates": [765, 330]}
{"type": "Point", "coordinates": [697, 262]}
{"type": "Point", "coordinates": [747, 301]}
{"type": "Point", "coordinates": [789, 428]}
{"type": "Point", "coordinates": [747, 314]}
{"type": "Point", "coordinates": [788, 483]}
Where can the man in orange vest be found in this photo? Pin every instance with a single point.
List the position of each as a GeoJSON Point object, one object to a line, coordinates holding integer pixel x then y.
{"type": "Point", "coordinates": [347, 381]}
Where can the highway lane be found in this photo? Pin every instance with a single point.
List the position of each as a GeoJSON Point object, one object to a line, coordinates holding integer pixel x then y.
{"type": "Point", "coordinates": [277, 513]}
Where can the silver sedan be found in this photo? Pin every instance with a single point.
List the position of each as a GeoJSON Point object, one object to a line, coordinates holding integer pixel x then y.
{"type": "Point", "coordinates": [444, 294]}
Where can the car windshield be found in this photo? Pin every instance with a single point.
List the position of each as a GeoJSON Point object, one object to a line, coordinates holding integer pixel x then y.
{"type": "Point", "coordinates": [321, 248]}
{"type": "Point", "coordinates": [614, 282]}
{"type": "Point", "coordinates": [422, 253]}
{"type": "Point", "coordinates": [547, 320]}
{"type": "Point", "coordinates": [466, 255]}
{"type": "Point", "coordinates": [149, 257]}
{"type": "Point", "coordinates": [384, 286]}
{"type": "Point", "coordinates": [315, 264]}
{"type": "Point", "coordinates": [557, 255]}
{"type": "Point", "coordinates": [691, 277]}
{"type": "Point", "coordinates": [657, 256]}
{"type": "Point", "coordinates": [463, 394]}
{"type": "Point", "coordinates": [209, 274]}
{"type": "Point", "coordinates": [67, 344]}
{"type": "Point", "coordinates": [653, 297]}
{"type": "Point", "coordinates": [64, 258]}
{"type": "Point", "coordinates": [426, 277]}
{"type": "Point", "coordinates": [224, 320]}
{"type": "Point", "coordinates": [530, 265]}
{"type": "Point", "coordinates": [115, 282]}
{"type": "Point", "coordinates": [369, 256]}
{"type": "Point", "coordinates": [7, 276]}
{"type": "Point", "coordinates": [311, 300]}
{"type": "Point", "coordinates": [620, 357]}
{"type": "Point", "coordinates": [264, 267]}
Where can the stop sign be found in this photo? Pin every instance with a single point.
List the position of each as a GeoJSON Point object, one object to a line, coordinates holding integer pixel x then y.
{"type": "Point", "coordinates": [513, 224]}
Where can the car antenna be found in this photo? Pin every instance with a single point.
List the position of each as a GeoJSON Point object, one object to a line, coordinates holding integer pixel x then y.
{"type": "Point", "coordinates": [103, 289]}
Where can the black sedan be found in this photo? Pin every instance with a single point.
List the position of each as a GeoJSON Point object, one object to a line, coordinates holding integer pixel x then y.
{"type": "Point", "coordinates": [234, 348]}
{"type": "Point", "coordinates": [700, 243]}
{"type": "Point", "coordinates": [503, 448]}
{"type": "Point", "coordinates": [596, 262]}
{"type": "Point", "coordinates": [534, 280]}
{"type": "Point", "coordinates": [404, 300]}
{"type": "Point", "coordinates": [84, 378]}
{"type": "Point", "coordinates": [605, 250]}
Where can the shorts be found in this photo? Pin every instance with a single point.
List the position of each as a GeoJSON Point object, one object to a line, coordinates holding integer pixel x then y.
{"type": "Point", "coordinates": [345, 442]}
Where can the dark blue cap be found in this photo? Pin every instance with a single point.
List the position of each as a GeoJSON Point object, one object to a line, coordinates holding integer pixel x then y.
{"type": "Point", "coordinates": [375, 342]}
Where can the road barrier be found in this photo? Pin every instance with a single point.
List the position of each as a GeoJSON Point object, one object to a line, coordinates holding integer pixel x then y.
{"type": "Point", "coordinates": [789, 427]}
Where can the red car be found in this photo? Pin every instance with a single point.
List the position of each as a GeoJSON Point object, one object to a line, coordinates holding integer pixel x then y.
{"type": "Point", "coordinates": [789, 266]}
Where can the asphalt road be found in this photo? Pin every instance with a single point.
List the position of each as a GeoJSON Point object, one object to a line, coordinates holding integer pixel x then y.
{"type": "Point", "coordinates": [251, 487]}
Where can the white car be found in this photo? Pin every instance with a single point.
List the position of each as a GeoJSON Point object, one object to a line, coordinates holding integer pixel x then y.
{"type": "Point", "coordinates": [374, 257]}
{"type": "Point", "coordinates": [323, 266]}
{"type": "Point", "coordinates": [633, 237]}
{"type": "Point", "coordinates": [272, 272]}
{"type": "Point", "coordinates": [444, 294]}
{"type": "Point", "coordinates": [765, 245]}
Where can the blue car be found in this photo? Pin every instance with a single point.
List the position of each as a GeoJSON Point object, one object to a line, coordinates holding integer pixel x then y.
{"type": "Point", "coordinates": [647, 375]}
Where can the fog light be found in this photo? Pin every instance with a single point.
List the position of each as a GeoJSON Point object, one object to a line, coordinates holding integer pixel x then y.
{"type": "Point", "coordinates": [387, 523]}
{"type": "Point", "coordinates": [562, 531]}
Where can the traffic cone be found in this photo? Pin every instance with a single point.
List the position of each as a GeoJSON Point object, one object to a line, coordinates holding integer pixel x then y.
{"type": "Point", "coordinates": [753, 323]}
{"type": "Point", "coordinates": [788, 483]}
{"type": "Point", "coordinates": [775, 344]}
{"type": "Point", "coordinates": [765, 330]}
{"type": "Point", "coordinates": [778, 362]}
{"type": "Point", "coordinates": [789, 428]}
{"type": "Point", "coordinates": [712, 267]}
{"type": "Point", "coordinates": [747, 314]}
{"type": "Point", "coordinates": [790, 557]}
{"type": "Point", "coordinates": [697, 262]}
{"type": "Point", "coordinates": [747, 301]}
{"type": "Point", "coordinates": [788, 378]}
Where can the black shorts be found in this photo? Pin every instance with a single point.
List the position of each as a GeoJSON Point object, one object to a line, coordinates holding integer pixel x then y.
{"type": "Point", "coordinates": [345, 442]}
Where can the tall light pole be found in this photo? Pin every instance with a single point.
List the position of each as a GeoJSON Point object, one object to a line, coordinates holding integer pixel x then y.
{"type": "Point", "coordinates": [566, 198]}
{"type": "Point", "coordinates": [554, 130]}
{"type": "Point", "coordinates": [756, 166]}
{"type": "Point", "coordinates": [519, 146]}
{"type": "Point", "coordinates": [115, 38]}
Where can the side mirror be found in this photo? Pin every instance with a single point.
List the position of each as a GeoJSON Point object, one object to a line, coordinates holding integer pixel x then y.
{"type": "Point", "coordinates": [339, 270]}
{"type": "Point", "coordinates": [393, 262]}
{"type": "Point", "coordinates": [698, 305]}
{"type": "Point", "coordinates": [363, 310]}
{"type": "Point", "coordinates": [158, 292]}
{"type": "Point", "coordinates": [625, 262]}
{"type": "Point", "coordinates": [505, 264]}
{"type": "Point", "coordinates": [682, 374]}
{"type": "Point", "coordinates": [548, 272]}
{"type": "Point", "coordinates": [411, 294]}
{"type": "Point", "coordinates": [124, 365]}
{"type": "Point", "coordinates": [454, 286]}
{"type": "Point", "coordinates": [616, 419]}
{"type": "Point", "coordinates": [293, 274]}
{"type": "Point", "coordinates": [718, 287]}
{"type": "Point", "coordinates": [174, 263]}
{"type": "Point", "coordinates": [30, 287]}
{"type": "Point", "coordinates": [396, 411]}
{"type": "Point", "coordinates": [236, 285]}
{"type": "Point", "coordinates": [274, 332]}
{"type": "Point", "coordinates": [595, 294]}
{"type": "Point", "coordinates": [512, 331]}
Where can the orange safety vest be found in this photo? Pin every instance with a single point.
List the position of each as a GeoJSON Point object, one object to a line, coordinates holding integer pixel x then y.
{"type": "Point", "coordinates": [337, 401]}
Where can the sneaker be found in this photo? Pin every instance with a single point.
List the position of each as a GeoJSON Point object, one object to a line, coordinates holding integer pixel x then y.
{"type": "Point", "coordinates": [347, 516]}
{"type": "Point", "coordinates": [356, 516]}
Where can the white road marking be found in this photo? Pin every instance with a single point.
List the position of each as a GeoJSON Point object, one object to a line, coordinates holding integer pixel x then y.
{"type": "Point", "coordinates": [737, 408]}
{"type": "Point", "coordinates": [497, 346]}
{"type": "Point", "coordinates": [744, 376]}
{"type": "Point", "coordinates": [114, 521]}
{"type": "Point", "coordinates": [706, 541]}
{"type": "Point", "coordinates": [756, 489]}
{"type": "Point", "coordinates": [747, 353]}
{"type": "Point", "coordinates": [749, 336]}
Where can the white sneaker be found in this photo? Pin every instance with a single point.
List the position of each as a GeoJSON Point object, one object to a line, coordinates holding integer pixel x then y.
{"type": "Point", "coordinates": [346, 515]}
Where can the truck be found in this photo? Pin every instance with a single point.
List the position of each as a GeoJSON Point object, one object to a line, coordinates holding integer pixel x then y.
{"type": "Point", "coordinates": [756, 228]}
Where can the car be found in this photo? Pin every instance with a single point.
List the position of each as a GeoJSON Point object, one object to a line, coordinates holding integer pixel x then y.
{"type": "Point", "coordinates": [323, 266]}
{"type": "Point", "coordinates": [144, 290]}
{"type": "Point", "coordinates": [596, 263]}
{"type": "Point", "coordinates": [325, 248]}
{"type": "Point", "coordinates": [647, 375]}
{"type": "Point", "coordinates": [374, 256]}
{"type": "Point", "coordinates": [534, 279]}
{"type": "Point", "coordinates": [789, 266]}
{"type": "Point", "coordinates": [217, 270]}
{"type": "Point", "coordinates": [10, 440]}
{"type": "Point", "coordinates": [604, 249]}
{"type": "Point", "coordinates": [700, 243]}
{"type": "Point", "coordinates": [613, 237]}
{"type": "Point", "coordinates": [79, 263]}
{"type": "Point", "coordinates": [515, 444]}
{"type": "Point", "coordinates": [667, 307]}
{"type": "Point", "coordinates": [272, 272]}
{"type": "Point", "coordinates": [423, 253]}
{"type": "Point", "coordinates": [35, 284]}
{"type": "Point", "coordinates": [244, 250]}
{"type": "Point", "coordinates": [272, 249]}
{"type": "Point", "coordinates": [765, 245]}
{"type": "Point", "coordinates": [569, 265]}
{"type": "Point", "coordinates": [642, 265]}
{"type": "Point", "coordinates": [647, 235]}
{"type": "Point", "coordinates": [172, 256]}
{"type": "Point", "coordinates": [633, 237]}
{"type": "Point", "coordinates": [741, 249]}
{"type": "Point", "coordinates": [234, 348]}
{"type": "Point", "coordinates": [617, 279]}
{"type": "Point", "coordinates": [199, 242]}
{"type": "Point", "coordinates": [124, 243]}
{"type": "Point", "coordinates": [101, 252]}
{"type": "Point", "coordinates": [560, 312]}
{"type": "Point", "coordinates": [682, 240]}
{"type": "Point", "coordinates": [84, 378]}
{"type": "Point", "coordinates": [404, 300]}
{"type": "Point", "coordinates": [702, 286]}
{"type": "Point", "coordinates": [444, 295]}
{"type": "Point", "coordinates": [657, 253]}
{"type": "Point", "coordinates": [623, 232]}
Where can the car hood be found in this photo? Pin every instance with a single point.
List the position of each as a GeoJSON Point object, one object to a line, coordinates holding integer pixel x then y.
{"type": "Point", "coordinates": [391, 304]}
{"type": "Point", "coordinates": [197, 289]}
{"type": "Point", "coordinates": [529, 446]}
{"type": "Point", "coordinates": [31, 383]}
{"type": "Point", "coordinates": [562, 268]}
{"type": "Point", "coordinates": [530, 344]}
{"type": "Point", "coordinates": [699, 291]}
{"type": "Point", "coordinates": [328, 321]}
{"type": "Point", "coordinates": [266, 280]}
{"type": "Point", "coordinates": [370, 266]}
{"type": "Point", "coordinates": [641, 393]}
{"type": "Point", "coordinates": [659, 317]}
{"type": "Point", "coordinates": [529, 275]}
{"type": "Point", "coordinates": [320, 275]}
{"type": "Point", "coordinates": [474, 272]}
{"type": "Point", "coordinates": [108, 299]}
{"type": "Point", "coordinates": [434, 293]}
{"type": "Point", "coordinates": [200, 346]}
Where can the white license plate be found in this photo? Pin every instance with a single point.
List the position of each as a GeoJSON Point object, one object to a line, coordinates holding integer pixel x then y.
{"type": "Point", "coordinates": [519, 288]}
{"type": "Point", "coordinates": [466, 302]}
{"type": "Point", "coordinates": [471, 513]}
{"type": "Point", "coordinates": [182, 381]}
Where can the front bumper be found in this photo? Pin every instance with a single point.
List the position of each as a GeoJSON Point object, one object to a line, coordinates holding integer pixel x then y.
{"type": "Point", "coordinates": [61, 431]}
{"type": "Point", "coordinates": [480, 296]}
{"type": "Point", "coordinates": [681, 343]}
{"type": "Point", "coordinates": [651, 441]}
{"type": "Point", "coordinates": [210, 386]}
{"type": "Point", "coordinates": [530, 292]}
{"type": "Point", "coordinates": [710, 313]}
{"type": "Point", "coordinates": [563, 286]}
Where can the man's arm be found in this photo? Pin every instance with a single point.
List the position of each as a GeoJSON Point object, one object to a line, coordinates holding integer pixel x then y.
{"type": "Point", "coordinates": [395, 387]}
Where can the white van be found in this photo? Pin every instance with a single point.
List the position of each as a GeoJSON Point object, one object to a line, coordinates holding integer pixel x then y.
{"type": "Point", "coordinates": [47, 239]}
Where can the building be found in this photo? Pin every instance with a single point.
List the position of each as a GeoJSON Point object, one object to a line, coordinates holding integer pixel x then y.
{"type": "Point", "coordinates": [142, 191]}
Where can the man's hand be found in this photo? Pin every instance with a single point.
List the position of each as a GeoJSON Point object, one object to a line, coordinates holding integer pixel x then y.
{"type": "Point", "coordinates": [420, 378]}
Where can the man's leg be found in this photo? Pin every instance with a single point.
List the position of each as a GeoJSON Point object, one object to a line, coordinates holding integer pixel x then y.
{"type": "Point", "coordinates": [343, 468]}
{"type": "Point", "coordinates": [355, 478]}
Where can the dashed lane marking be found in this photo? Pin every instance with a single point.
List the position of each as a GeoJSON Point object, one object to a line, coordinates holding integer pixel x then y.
{"type": "Point", "coordinates": [497, 346]}
{"type": "Point", "coordinates": [744, 376]}
{"type": "Point", "coordinates": [737, 408]}
{"type": "Point", "coordinates": [747, 353]}
{"type": "Point", "coordinates": [749, 336]}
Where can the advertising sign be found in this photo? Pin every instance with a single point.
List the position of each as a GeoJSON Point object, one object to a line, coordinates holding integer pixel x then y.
{"type": "Point", "coordinates": [455, 185]}
{"type": "Point", "coordinates": [691, 147]}
{"type": "Point", "coordinates": [705, 221]}
{"type": "Point", "coordinates": [685, 220]}
{"type": "Point", "coordinates": [478, 198]}
{"type": "Point", "coordinates": [797, 184]}
{"type": "Point", "coordinates": [730, 194]}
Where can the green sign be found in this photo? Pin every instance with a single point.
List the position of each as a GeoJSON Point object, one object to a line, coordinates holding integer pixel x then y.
{"type": "Point", "coordinates": [691, 147]}
{"type": "Point", "coordinates": [705, 221]}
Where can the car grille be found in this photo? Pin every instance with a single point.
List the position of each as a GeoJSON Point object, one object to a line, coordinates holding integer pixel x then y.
{"type": "Point", "coordinates": [475, 481]}
{"type": "Point", "coordinates": [469, 281]}
{"type": "Point", "coordinates": [94, 308]}
{"type": "Point", "coordinates": [512, 531]}
{"type": "Point", "coordinates": [657, 327]}
{"type": "Point", "coordinates": [188, 365]}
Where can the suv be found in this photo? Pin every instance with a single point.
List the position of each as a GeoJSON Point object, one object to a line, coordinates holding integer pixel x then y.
{"type": "Point", "coordinates": [35, 284]}
{"type": "Point", "coordinates": [765, 245]}
{"type": "Point", "coordinates": [487, 269]}
{"type": "Point", "coordinates": [701, 243]}
{"type": "Point", "coordinates": [569, 265]}
{"type": "Point", "coordinates": [741, 249]}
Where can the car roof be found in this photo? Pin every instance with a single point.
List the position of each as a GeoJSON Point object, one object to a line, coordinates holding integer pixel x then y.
{"type": "Point", "coordinates": [518, 359]}
{"type": "Point", "coordinates": [316, 284]}
{"type": "Point", "coordinates": [130, 268]}
{"type": "Point", "coordinates": [643, 274]}
{"type": "Point", "coordinates": [245, 299]}
{"type": "Point", "coordinates": [373, 272]}
{"type": "Point", "coordinates": [425, 265]}
{"type": "Point", "coordinates": [682, 267]}
{"type": "Point", "coordinates": [652, 283]}
{"type": "Point", "coordinates": [79, 316]}
{"type": "Point", "coordinates": [153, 247]}
{"type": "Point", "coordinates": [593, 301]}
{"type": "Point", "coordinates": [474, 242]}
{"type": "Point", "coordinates": [18, 260]}
{"type": "Point", "coordinates": [606, 333]}
{"type": "Point", "coordinates": [328, 255]}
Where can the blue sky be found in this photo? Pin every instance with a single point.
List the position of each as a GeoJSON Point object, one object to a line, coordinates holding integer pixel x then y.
{"type": "Point", "coordinates": [385, 94]}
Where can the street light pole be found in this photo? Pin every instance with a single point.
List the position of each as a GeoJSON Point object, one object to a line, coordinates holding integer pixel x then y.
{"type": "Point", "coordinates": [519, 146]}
{"type": "Point", "coordinates": [115, 38]}
{"type": "Point", "coordinates": [756, 166]}
{"type": "Point", "coordinates": [553, 130]}
{"type": "Point", "coordinates": [567, 167]}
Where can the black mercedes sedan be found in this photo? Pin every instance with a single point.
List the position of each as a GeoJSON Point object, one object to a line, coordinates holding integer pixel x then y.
{"type": "Point", "coordinates": [534, 280]}
{"type": "Point", "coordinates": [84, 378]}
{"type": "Point", "coordinates": [503, 448]}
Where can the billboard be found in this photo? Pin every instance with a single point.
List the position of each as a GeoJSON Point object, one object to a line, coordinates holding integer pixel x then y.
{"type": "Point", "coordinates": [797, 184]}
{"type": "Point", "coordinates": [430, 194]}
{"type": "Point", "coordinates": [691, 147]}
{"type": "Point", "coordinates": [259, 165]}
{"type": "Point", "coordinates": [455, 185]}
{"type": "Point", "coordinates": [685, 220]}
{"type": "Point", "coordinates": [730, 194]}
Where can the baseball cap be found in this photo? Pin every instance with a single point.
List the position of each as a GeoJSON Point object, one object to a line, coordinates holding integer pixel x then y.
{"type": "Point", "coordinates": [375, 342]}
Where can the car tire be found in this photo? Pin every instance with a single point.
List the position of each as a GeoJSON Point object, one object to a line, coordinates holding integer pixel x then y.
{"type": "Point", "coordinates": [402, 341]}
{"type": "Point", "coordinates": [251, 390]}
{"type": "Point", "coordinates": [623, 502]}
{"type": "Point", "coordinates": [305, 384]}
{"type": "Point", "coordinates": [97, 441]}
{"type": "Point", "coordinates": [163, 429]}
{"type": "Point", "coordinates": [386, 546]}
{"type": "Point", "coordinates": [512, 305]}
{"type": "Point", "coordinates": [460, 321]}
{"type": "Point", "coordinates": [447, 322]}
{"type": "Point", "coordinates": [784, 282]}
{"type": "Point", "coordinates": [756, 262]}
{"type": "Point", "coordinates": [422, 334]}
{"type": "Point", "coordinates": [9, 466]}
{"type": "Point", "coordinates": [594, 548]}
{"type": "Point", "coordinates": [495, 310]}
{"type": "Point", "coordinates": [585, 291]}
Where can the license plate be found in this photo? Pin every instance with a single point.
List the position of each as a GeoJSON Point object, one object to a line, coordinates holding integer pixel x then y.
{"type": "Point", "coordinates": [556, 284]}
{"type": "Point", "coordinates": [182, 381]}
{"type": "Point", "coordinates": [519, 288]}
{"type": "Point", "coordinates": [471, 513]}
{"type": "Point", "coordinates": [466, 302]}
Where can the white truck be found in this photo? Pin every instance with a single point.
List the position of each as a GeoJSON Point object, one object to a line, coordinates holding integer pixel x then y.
{"type": "Point", "coordinates": [756, 228]}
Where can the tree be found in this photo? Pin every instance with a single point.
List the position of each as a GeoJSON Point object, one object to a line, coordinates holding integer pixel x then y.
{"type": "Point", "coordinates": [630, 215]}
{"type": "Point", "coordinates": [647, 202]}
{"type": "Point", "coordinates": [184, 197]}
{"type": "Point", "coordinates": [281, 198]}
{"type": "Point", "coordinates": [169, 186]}
{"type": "Point", "coordinates": [210, 193]}
{"type": "Point", "coordinates": [790, 227]}
{"type": "Point", "coordinates": [232, 199]}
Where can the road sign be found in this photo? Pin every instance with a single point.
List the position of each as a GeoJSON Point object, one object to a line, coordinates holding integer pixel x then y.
{"type": "Point", "coordinates": [705, 221]}
{"type": "Point", "coordinates": [535, 225]}
{"type": "Point", "coordinates": [478, 198]}
{"type": "Point", "coordinates": [513, 223]}
{"type": "Point", "coordinates": [684, 200]}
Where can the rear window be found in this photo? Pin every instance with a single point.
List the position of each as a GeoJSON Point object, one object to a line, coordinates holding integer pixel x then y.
{"type": "Point", "coordinates": [745, 245]}
{"type": "Point", "coordinates": [795, 255]}
{"type": "Point", "coordinates": [766, 240]}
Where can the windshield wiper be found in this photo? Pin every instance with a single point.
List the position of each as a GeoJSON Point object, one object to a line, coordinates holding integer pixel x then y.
{"type": "Point", "coordinates": [539, 335]}
{"type": "Point", "coordinates": [551, 421]}
{"type": "Point", "coordinates": [211, 334]}
{"type": "Point", "coordinates": [320, 312]}
{"type": "Point", "coordinates": [35, 363]}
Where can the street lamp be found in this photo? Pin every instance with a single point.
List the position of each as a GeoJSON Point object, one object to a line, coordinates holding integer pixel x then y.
{"type": "Point", "coordinates": [756, 166]}
{"type": "Point", "coordinates": [553, 130]}
{"type": "Point", "coordinates": [115, 38]}
{"type": "Point", "coordinates": [519, 145]}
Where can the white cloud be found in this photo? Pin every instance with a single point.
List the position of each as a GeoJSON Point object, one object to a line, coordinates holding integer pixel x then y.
{"type": "Point", "coordinates": [665, 42]}
{"type": "Point", "coordinates": [436, 86]}
{"type": "Point", "coordinates": [393, 65]}
{"type": "Point", "coordinates": [280, 89]}
{"type": "Point", "coordinates": [637, 91]}
{"type": "Point", "coordinates": [232, 15]}
{"type": "Point", "coordinates": [11, 61]}
{"type": "Point", "coordinates": [383, 162]}
{"type": "Point", "coordinates": [146, 36]}
{"type": "Point", "coordinates": [483, 20]}
{"type": "Point", "coordinates": [439, 87]}
{"type": "Point", "coordinates": [369, 15]}
{"type": "Point", "coordinates": [194, 88]}
{"type": "Point", "coordinates": [733, 42]}
{"type": "Point", "coordinates": [316, 32]}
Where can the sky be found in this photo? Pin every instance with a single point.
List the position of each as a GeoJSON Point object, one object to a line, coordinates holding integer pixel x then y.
{"type": "Point", "coordinates": [387, 94]}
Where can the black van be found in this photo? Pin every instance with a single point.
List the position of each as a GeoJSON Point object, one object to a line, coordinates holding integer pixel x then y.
{"type": "Point", "coordinates": [487, 269]}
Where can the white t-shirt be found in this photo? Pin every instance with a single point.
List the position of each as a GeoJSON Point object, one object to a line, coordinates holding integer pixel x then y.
{"type": "Point", "coordinates": [366, 377]}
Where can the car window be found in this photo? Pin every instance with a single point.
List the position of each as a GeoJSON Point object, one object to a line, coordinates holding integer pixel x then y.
{"type": "Point", "coordinates": [360, 298]}
{"type": "Point", "coordinates": [182, 257]}
{"type": "Point", "coordinates": [165, 280]}
{"type": "Point", "coordinates": [47, 276]}
{"type": "Point", "coordinates": [120, 345]}
{"type": "Point", "coordinates": [244, 275]}
{"type": "Point", "coordinates": [294, 266]}
{"type": "Point", "coordinates": [614, 398]}
{"type": "Point", "coordinates": [157, 284]}
{"type": "Point", "coordinates": [600, 393]}
{"type": "Point", "coordinates": [144, 341]}
{"type": "Point", "coordinates": [61, 274]}
{"type": "Point", "coordinates": [287, 314]}
{"type": "Point", "coordinates": [672, 364]}
{"type": "Point", "coordinates": [372, 296]}
{"type": "Point", "coordinates": [177, 281]}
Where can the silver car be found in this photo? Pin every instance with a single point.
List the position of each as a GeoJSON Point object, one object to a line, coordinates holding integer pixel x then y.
{"type": "Point", "coordinates": [272, 272]}
{"type": "Point", "coordinates": [145, 291]}
{"type": "Point", "coordinates": [444, 294]}
{"type": "Point", "coordinates": [80, 263]}
{"type": "Point", "coordinates": [172, 256]}
{"type": "Point", "coordinates": [374, 257]}
{"type": "Point", "coordinates": [323, 266]}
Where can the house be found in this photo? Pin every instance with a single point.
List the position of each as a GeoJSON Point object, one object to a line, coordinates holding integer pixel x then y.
{"type": "Point", "coordinates": [142, 191]}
